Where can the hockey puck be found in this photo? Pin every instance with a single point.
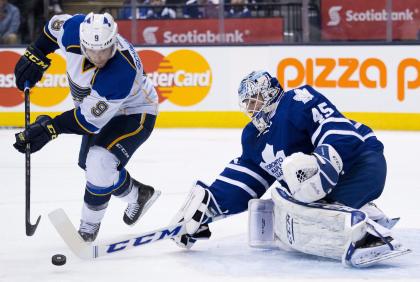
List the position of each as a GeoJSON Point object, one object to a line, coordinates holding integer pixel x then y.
{"type": "Point", "coordinates": [58, 259]}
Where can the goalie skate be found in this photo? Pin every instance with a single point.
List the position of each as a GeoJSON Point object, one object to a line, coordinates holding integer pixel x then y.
{"type": "Point", "coordinates": [373, 249]}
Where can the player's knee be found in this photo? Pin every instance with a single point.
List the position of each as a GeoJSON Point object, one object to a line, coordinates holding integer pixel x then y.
{"type": "Point", "coordinates": [101, 167]}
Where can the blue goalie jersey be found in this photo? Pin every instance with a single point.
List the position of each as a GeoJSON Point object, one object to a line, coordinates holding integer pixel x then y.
{"type": "Point", "coordinates": [303, 120]}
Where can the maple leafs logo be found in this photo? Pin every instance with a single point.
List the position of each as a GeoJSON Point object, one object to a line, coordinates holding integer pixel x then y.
{"type": "Point", "coordinates": [272, 162]}
{"type": "Point", "coordinates": [302, 95]}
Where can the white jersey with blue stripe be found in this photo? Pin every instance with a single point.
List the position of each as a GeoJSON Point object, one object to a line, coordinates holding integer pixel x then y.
{"type": "Point", "coordinates": [303, 120]}
{"type": "Point", "coordinates": [119, 88]}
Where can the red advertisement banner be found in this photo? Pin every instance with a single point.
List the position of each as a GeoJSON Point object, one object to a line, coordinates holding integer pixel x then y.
{"type": "Point", "coordinates": [367, 20]}
{"type": "Point", "coordinates": [204, 31]}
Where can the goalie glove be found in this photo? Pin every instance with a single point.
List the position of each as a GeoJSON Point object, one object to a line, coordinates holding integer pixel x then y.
{"type": "Point", "coordinates": [311, 177]}
{"type": "Point", "coordinates": [186, 241]}
{"type": "Point", "coordinates": [200, 209]}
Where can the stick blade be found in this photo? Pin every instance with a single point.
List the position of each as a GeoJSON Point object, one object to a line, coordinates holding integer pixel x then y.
{"type": "Point", "coordinates": [65, 228]}
{"type": "Point", "coordinates": [31, 228]}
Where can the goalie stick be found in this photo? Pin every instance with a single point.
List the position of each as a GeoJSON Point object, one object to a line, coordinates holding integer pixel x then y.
{"type": "Point", "coordinates": [83, 250]}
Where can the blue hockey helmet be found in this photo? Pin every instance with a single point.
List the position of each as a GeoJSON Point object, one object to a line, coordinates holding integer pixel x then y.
{"type": "Point", "coordinates": [259, 93]}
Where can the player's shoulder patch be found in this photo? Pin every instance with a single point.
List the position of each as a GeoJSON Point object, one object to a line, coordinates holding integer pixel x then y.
{"type": "Point", "coordinates": [302, 95]}
{"type": "Point", "coordinates": [57, 24]}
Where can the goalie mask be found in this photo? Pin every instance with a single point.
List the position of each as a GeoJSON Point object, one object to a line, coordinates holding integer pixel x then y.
{"type": "Point", "coordinates": [259, 94]}
{"type": "Point", "coordinates": [98, 38]}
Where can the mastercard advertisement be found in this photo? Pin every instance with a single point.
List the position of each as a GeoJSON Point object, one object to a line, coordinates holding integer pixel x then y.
{"type": "Point", "coordinates": [197, 87]}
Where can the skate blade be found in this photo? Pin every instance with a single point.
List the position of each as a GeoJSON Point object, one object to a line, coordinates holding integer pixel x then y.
{"type": "Point", "coordinates": [371, 261]}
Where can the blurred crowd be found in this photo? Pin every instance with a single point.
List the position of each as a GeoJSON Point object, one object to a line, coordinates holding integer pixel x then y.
{"type": "Point", "coordinates": [22, 20]}
{"type": "Point", "coordinates": [195, 9]}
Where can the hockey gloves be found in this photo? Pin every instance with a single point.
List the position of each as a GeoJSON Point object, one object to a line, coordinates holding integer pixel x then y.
{"type": "Point", "coordinates": [311, 177]}
{"type": "Point", "coordinates": [187, 241]}
{"type": "Point", "coordinates": [37, 135]}
{"type": "Point", "coordinates": [30, 67]}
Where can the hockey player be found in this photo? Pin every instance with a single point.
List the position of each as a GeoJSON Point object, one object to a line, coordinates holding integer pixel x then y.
{"type": "Point", "coordinates": [115, 110]}
{"type": "Point", "coordinates": [299, 139]}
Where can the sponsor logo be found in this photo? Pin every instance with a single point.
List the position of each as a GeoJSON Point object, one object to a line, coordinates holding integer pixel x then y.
{"type": "Point", "coordinates": [373, 15]}
{"type": "Point", "coordinates": [149, 35]}
{"type": "Point", "coordinates": [50, 91]}
{"type": "Point", "coordinates": [10, 96]}
{"type": "Point", "coordinates": [349, 73]}
{"type": "Point", "coordinates": [123, 150]}
{"type": "Point", "coordinates": [53, 87]}
{"type": "Point", "coordinates": [334, 15]}
{"type": "Point", "coordinates": [370, 15]}
{"type": "Point", "coordinates": [183, 77]}
{"type": "Point", "coordinates": [207, 36]}
{"type": "Point", "coordinates": [289, 229]}
{"type": "Point", "coordinates": [145, 239]}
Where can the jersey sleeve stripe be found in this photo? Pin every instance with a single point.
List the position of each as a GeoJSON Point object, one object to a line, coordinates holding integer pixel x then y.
{"type": "Point", "coordinates": [249, 172]}
{"type": "Point", "coordinates": [83, 123]}
{"type": "Point", "coordinates": [143, 118]}
{"type": "Point", "coordinates": [328, 120]}
{"type": "Point", "coordinates": [238, 184]}
{"type": "Point", "coordinates": [49, 35]}
{"type": "Point", "coordinates": [339, 132]}
{"type": "Point", "coordinates": [357, 125]}
{"type": "Point", "coordinates": [369, 135]}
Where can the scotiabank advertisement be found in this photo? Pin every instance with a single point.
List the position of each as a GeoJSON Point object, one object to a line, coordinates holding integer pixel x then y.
{"type": "Point", "coordinates": [357, 79]}
{"type": "Point", "coordinates": [367, 20]}
{"type": "Point", "coordinates": [205, 31]}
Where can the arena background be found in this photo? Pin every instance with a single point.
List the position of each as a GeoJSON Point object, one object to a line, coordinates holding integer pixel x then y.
{"type": "Point", "coordinates": [197, 86]}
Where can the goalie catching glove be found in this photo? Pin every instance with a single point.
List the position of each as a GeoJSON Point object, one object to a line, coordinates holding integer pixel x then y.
{"type": "Point", "coordinates": [37, 135]}
{"type": "Point", "coordinates": [311, 177]}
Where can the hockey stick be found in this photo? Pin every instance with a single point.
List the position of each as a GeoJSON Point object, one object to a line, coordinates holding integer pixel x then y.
{"type": "Point", "coordinates": [84, 250]}
{"type": "Point", "coordinates": [30, 228]}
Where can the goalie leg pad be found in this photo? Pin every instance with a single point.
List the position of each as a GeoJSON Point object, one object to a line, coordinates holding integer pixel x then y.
{"type": "Point", "coordinates": [319, 229]}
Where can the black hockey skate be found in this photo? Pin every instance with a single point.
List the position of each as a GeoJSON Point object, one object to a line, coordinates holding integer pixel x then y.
{"type": "Point", "coordinates": [146, 197]}
{"type": "Point", "coordinates": [88, 231]}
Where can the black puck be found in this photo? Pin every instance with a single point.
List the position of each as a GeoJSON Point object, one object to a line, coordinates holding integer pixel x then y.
{"type": "Point", "coordinates": [58, 259]}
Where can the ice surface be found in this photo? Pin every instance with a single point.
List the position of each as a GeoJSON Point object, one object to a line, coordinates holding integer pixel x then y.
{"type": "Point", "coordinates": [170, 161]}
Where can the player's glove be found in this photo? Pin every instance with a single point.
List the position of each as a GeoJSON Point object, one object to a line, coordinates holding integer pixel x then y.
{"type": "Point", "coordinates": [311, 177]}
{"type": "Point", "coordinates": [187, 241]}
{"type": "Point", "coordinates": [30, 67]}
{"type": "Point", "coordinates": [37, 135]}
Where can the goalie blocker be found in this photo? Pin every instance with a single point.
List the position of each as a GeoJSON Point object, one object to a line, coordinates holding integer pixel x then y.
{"type": "Point", "coordinates": [326, 230]}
